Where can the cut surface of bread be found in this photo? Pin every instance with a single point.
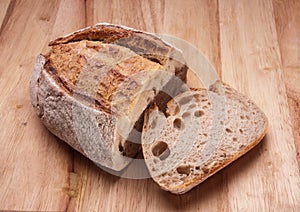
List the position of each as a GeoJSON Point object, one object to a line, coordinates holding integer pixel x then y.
{"type": "Point", "coordinates": [204, 131]}
{"type": "Point", "coordinates": [92, 93]}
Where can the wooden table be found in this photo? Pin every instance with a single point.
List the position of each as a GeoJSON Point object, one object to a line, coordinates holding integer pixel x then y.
{"type": "Point", "coordinates": [254, 45]}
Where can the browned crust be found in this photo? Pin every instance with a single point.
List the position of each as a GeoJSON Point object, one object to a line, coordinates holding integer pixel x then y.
{"type": "Point", "coordinates": [146, 44]}
{"type": "Point", "coordinates": [99, 104]}
{"type": "Point", "coordinates": [143, 43]}
{"type": "Point", "coordinates": [104, 33]}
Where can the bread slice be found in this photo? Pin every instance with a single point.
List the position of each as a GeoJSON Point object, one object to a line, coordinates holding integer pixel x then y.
{"type": "Point", "coordinates": [92, 94]}
{"type": "Point", "coordinates": [204, 131]}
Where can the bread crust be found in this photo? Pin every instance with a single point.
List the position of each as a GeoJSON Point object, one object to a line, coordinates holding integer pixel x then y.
{"type": "Point", "coordinates": [72, 120]}
{"type": "Point", "coordinates": [143, 43]}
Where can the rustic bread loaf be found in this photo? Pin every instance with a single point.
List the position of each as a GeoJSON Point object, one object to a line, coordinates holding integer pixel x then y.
{"type": "Point", "coordinates": [91, 90]}
{"type": "Point", "coordinates": [204, 131]}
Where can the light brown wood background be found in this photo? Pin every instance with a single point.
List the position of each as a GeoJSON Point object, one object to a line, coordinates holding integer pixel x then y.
{"type": "Point", "coordinates": [254, 45]}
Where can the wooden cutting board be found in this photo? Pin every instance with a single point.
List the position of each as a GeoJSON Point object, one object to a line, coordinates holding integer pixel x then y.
{"type": "Point", "coordinates": [253, 45]}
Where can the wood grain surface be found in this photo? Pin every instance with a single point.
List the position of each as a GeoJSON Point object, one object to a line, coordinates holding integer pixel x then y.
{"type": "Point", "coordinates": [253, 45]}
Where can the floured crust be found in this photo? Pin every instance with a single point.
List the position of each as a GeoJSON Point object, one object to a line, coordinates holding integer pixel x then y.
{"type": "Point", "coordinates": [74, 121]}
{"type": "Point", "coordinates": [181, 173]}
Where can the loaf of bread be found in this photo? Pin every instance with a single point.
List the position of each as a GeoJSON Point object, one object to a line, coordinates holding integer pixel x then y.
{"type": "Point", "coordinates": [203, 131]}
{"type": "Point", "coordinates": [92, 87]}
{"type": "Point", "coordinates": [110, 91]}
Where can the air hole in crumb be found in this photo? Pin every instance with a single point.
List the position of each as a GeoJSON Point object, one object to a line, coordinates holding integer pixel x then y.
{"type": "Point", "coordinates": [205, 134]}
{"type": "Point", "coordinates": [197, 96]}
{"type": "Point", "coordinates": [185, 100]}
{"type": "Point", "coordinates": [161, 150]}
{"type": "Point", "coordinates": [177, 109]}
{"type": "Point", "coordinates": [198, 113]}
{"type": "Point", "coordinates": [153, 124]}
{"type": "Point", "coordinates": [228, 130]}
{"type": "Point", "coordinates": [197, 167]}
{"type": "Point", "coordinates": [221, 122]}
{"type": "Point", "coordinates": [247, 117]}
{"type": "Point", "coordinates": [184, 170]}
{"type": "Point", "coordinates": [121, 148]}
{"type": "Point", "coordinates": [192, 106]}
{"type": "Point", "coordinates": [241, 131]}
{"type": "Point", "coordinates": [177, 123]}
{"type": "Point", "coordinates": [205, 170]}
{"type": "Point", "coordinates": [242, 117]}
{"type": "Point", "coordinates": [185, 115]}
{"type": "Point", "coordinates": [223, 155]}
{"type": "Point", "coordinates": [234, 139]}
